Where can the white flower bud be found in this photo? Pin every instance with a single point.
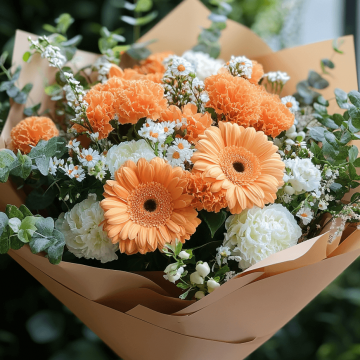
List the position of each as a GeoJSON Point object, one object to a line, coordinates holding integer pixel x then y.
{"type": "Point", "coordinates": [203, 269]}
{"type": "Point", "coordinates": [196, 278]}
{"type": "Point", "coordinates": [289, 141]}
{"type": "Point", "coordinates": [212, 285]}
{"type": "Point", "coordinates": [291, 130]}
{"type": "Point", "coordinates": [302, 134]}
{"type": "Point", "coordinates": [170, 267]}
{"type": "Point", "coordinates": [184, 255]}
{"type": "Point", "coordinates": [289, 190]}
{"type": "Point", "coordinates": [199, 295]}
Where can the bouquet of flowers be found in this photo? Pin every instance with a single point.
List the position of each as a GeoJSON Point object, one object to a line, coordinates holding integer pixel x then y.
{"type": "Point", "coordinates": [192, 176]}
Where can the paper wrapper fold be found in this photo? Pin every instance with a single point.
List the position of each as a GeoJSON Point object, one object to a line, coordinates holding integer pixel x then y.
{"type": "Point", "coordinates": [140, 315]}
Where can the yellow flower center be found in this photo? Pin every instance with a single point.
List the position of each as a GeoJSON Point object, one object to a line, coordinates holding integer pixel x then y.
{"type": "Point", "coordinates": [166, 129]}
{"type": "Point", "coordinates": [303, 215]}
{"type": "Point", "coordinates": [180, 146]}
{"type": "Point", "coordinates": [181, 67]}
{"type": "Point", "coordinates": [154, 135]}
{"type": "Point", "coordinates": [239, 165]}
{"type": "Point", "coordinates": [88, 158]}
{"type": "Point", "coordinates": [176, 155]}
{"type": "Point", "coordinates": [150, 204]}
{"type": "Point", "coordinates": [289, 104]}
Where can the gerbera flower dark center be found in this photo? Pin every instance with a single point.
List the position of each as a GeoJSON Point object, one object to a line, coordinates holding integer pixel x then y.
{"type": "Point", "coordinates": [239, 167]}
{"type": "Point", "coordinates": [150, 205]}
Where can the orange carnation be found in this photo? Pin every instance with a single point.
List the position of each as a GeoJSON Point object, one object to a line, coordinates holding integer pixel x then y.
{"type": "Point", "coordinates": [99, 112]}
{"type": "Point", "coordinates": [145, 207]}
{"type": "Point", "coordinates": [241, 162]}
{"type": "Point", "coordinates": [140, 99]}
{"type": "Point", "coordinates": [30, 131]}
{"type": "Point", "coordinates": [234, 99]}
{"type": "Point", "coordinates": [204, 198]}
{"type": "Point", "coordinates": [196, 123]}
{"type": "Point", "coordinates": [131, 74]}
{"type": "Point", "coordinates": [153, 64]}
{"type": "Point", "coordinates": [275, 116]}
{"type": "Point", "coordinates": [257, 72]}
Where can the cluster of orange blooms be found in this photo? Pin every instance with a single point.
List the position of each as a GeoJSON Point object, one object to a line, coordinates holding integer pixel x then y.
{"type": "Point", "coordinates": [149, 204]}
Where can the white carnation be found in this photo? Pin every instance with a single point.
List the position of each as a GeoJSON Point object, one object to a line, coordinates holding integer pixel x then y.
{"type": "Point", "coordinates": [258, 233]}
{"type": "Point", "coordinates": [302, 175]}
{"type": "Point", "coordinates": [204, 64]}
{"type": "Point", "coordinates": [128, 150]}
{"type": "Point", "coordinates": [83, 235]}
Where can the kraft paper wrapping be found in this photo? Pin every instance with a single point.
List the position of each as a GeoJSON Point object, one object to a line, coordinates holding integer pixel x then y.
{"type": "Point", "coordinates": [125, 309]}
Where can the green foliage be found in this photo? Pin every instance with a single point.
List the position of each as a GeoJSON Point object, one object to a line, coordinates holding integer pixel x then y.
{"type": "Point", "coordinates": [213, 220]}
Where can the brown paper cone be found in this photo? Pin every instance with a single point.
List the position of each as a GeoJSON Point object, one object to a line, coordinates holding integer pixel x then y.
{"type": "Point", "coordinates": [126, 309]}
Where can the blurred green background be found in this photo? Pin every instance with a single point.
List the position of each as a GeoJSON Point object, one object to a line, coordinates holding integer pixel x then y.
{"type": "Point", "coordinates": [34, 323]}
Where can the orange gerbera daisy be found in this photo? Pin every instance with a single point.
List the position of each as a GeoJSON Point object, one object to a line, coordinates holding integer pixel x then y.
{"type": "Point", "coordinates": [242, 162]}
{"type": "Point", "coordinates": [204, 198]}
{"type": "Point", "coordinates": [99, 112]}
{"type": "Point", "coordinates": [145, 207]}
{"type": "Point", "coordinates": [257, 72]}
{"type": "Point", "coordinates": [275, 116]}
{"type": "Point", "coordinates": [234, 98]}
{"type": "Point", "coordinates": [30, 131]}
{"type": "Point", "coordinates": [196, 123]}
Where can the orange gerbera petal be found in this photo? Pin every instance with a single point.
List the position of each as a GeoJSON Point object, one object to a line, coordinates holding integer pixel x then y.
{"type": "Point", "coordinates": [30, 131]}
{"type": "Point", "coordinates": [157, 212]}
{"type": "Point", "coordinates": [237, 170]}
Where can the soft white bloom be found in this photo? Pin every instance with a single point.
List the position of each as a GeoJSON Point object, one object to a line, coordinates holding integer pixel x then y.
{"type": "Point", "coordinates": [73, 144]}
{"type": "Point", "coordinates": [291, 103]}
{"type": "Point", "coordinates": [89, 157]}
{"type": "Point", "coordinates": [184, 255]}
{"type": "Point", "coordinates": [289, 190]}
{"type": "Point", "coordinates": [128, 150]}
{"type": "Point", "coordinates": [258, 233]}
{"type": "Point", "coordinates": [199, 295]}
{"type": "Point", "coordinates": [102, 65]}
{"type": "Point", "coordinates": [306, 215]}
{"type": "Point", "coordinates": [173, 273]}
{"type": "Point", "coordinates": [179, 66]}
{"type": "Point", "coordinates": [302, 175]}
{"type": "Point", "coordinates": [94, 136]}
{"type": "Point", "coordinates": [277, 76]}
{"type": "Point", "coordinates": [196, 278]}
{"type": "Point", "coordinates": [328, 173]}
{"type": "Point", "coordinates": [204, 65]}
{"type": "Point", "coordinates": [222, 254]}
{"type": "Point", "coordinates": [203, 269]}
{"type": "Point", "coordinates": [212, 285]}
{"type": "Point", "coordinates": [153, 131]}
{"type": "Point", "coordinates": [323, 205]}
{"type": "Point", "coordinates": [240, 66]}
{"type": "Point", "coordinates": [83, 235]}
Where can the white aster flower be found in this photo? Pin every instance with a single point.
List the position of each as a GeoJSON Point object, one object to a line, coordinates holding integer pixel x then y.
{"type": "Point", "coordinates": [94, 136]}
{"type": "Point", "coordinates": [168, 127]}
{"type": "Point", "coordinates": [306, 215]}
{"type": "Point", "coordinates": [258, 233]}
{"type": "Point", "coordinates": [323, 205]}
{"type": "Point", "coordinates": [73, 144]}
{"type": "Point", "coordinates": [89, 157]}
{"type": "Point", "coordinates": [291, 103]}
{"type": "Point", "coordinates": [179, 152]}
{"type": "Point", "coordinates": [83, 235]}
{"type": "Point", "coordinates": [240, 66]}
{"type": "Point", "coordinates": [277, 76]}
{"type": "Point", "coordinates": [204, 65]}
{"type": "Point", "coordinates": [128, 150]}
{"type": "Point", "coordinates": [179, 66]}
{"type": "Point", "coordinates": [302, 174]}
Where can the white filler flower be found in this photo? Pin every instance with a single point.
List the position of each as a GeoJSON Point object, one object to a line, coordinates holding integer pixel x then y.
{"type": "Point", "coordinates": [258, 233]}
{"type": "Point", "coordinates": [83, 235]}
{"type": "Point", "coordinates": [302, 175]}
{"type": "Point", "coordinates": [128, 150]}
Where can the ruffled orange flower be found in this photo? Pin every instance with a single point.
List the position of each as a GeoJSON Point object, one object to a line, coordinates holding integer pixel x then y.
{"type": "Point", "coordinates": [204, 198]}
{"type": "Point", "coordinates": [257, 72]}
{"type": "Point", "coordinates": [145, 207]}
{"type": "Point", "coordinates": [275, 116]}
{"type": "Point", "coordinates": [196, 123]}
{"type": "Point", "coordinates": [242, 162]}
{"type": "Point", "coordinates": [153, 64]}
{"type": "Point", "coordinates": [234, 99]}
{"type": "Point", "coordinates": [131, 74]}
{"type": "Point", "coordinates": [99, 112]}
{"type": "Point", "coordinates": [30, 131]}
{"type": "Point", "coordinates": [140, 99]}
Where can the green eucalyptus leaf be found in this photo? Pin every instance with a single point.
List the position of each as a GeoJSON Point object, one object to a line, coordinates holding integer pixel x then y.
{"type": "Point", "coordinates": [341, 98]}
{"type": "Point", "coordinates": [354, 97]}
{"type": "Point", "coordinates": [353, 153]}
{"type": "Point", "coordinates": [13, 212]}
{"type": "Point", "coordinates": [330, 138]}
{"type": "Point", "coordinates": [75, 41]}
{"type": "Point", "coordinates": [336, 44]}
{"type": "Point", "coordinates": [356, 163]}
{"type": "Point", "coordinates": [22, 167]}
{"type": "Point", "coordinates": [25, 211]}
{"type": "Point", "coordinates": [45, 226]}
{"type": "Point", "coordinates": [317, 133]}
{"type": "Point", "coordinates": [5, 241]}
{"type": "Point", "coordinates": [321, 100]}
{"type": "Point", "coordinates": [42, 163]}
{"type": "Point", "coordinates": [4, 220]}
{"type": "Point", "coordinates": [143, 5]}
{"type": "Point", "coordinates": [316, 80]}
{"type": "Point", "coordinates": [328, 63]}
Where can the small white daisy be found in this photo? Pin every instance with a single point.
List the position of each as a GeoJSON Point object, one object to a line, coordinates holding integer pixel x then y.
{"type": "Point", "coordinates": [89, 157]}
{"type": "Point", "coordinates": [306, 215]}
{"type": "Point", "coordinates": [291, 103]}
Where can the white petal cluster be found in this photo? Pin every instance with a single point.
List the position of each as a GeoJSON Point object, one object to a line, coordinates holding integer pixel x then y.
{"type": "Point", "coordinates": [102, 65]}
{"type": "Point", "coordinates": [83, 235]}
{"type": "Point", "coordinates": [240, 66]}
{"type": "Point", "coordinates": [258, 233]}
{"type": "Point", "coordinates": [302, 175]}
{"type": "Point", "coordinates": [277, 77]}
{"type": "Point", "coordinates": [204, 65]}
{"type": "Point", "coordinates": [128, 150]}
